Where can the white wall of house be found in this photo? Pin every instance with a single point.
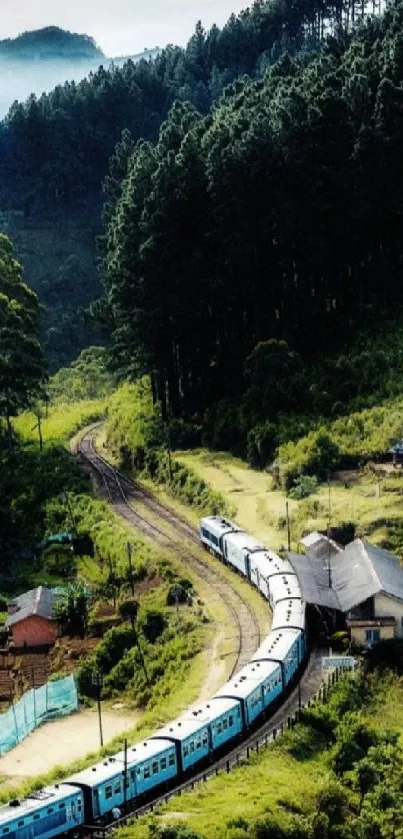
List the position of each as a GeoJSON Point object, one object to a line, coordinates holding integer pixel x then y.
{"type": "Point", "coordinates": [386, 606]}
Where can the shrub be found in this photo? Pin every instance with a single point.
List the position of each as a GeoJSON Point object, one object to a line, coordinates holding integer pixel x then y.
{"type": "Point", "coordinates": [261, 444]}
{"type": "Point", "coordinates": [304, 486]}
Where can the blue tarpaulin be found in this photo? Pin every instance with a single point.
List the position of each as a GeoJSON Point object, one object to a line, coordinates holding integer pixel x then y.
{"type": "Point", "coordinates": [39, 705]}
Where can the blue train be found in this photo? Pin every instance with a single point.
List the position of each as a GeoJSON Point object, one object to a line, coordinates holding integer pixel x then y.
{"type": "Point", "coordinates": [180, 748]}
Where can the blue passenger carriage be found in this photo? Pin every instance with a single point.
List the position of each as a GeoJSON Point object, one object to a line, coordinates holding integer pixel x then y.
{"type": "Point", "coordinates": [282, 646]}
{"type": "Point", "coordinates": [191, 738]}
{"type": "Point", "coordinates": [46, 813]}
{"type": "Point", "coordinates": [255, 687]}
{"type": "Point", "coordinates": [223, 717]}
{"type": "Point", "coordinates": [102, 787]}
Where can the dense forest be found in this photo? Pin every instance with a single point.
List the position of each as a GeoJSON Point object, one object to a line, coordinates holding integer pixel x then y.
{"type": "Point", "coordinates": [55, 149]}
{"type": "Point", "coordinates": [247, 247]}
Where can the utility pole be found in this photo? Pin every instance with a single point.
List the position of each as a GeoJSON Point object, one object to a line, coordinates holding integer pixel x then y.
{"type": "Point", "coordinates": [288, 526]}
{"type": "Point", "coordinates": [129, 556]}
{"type": "Point", "coordinates": [97, 682]}
{"type": "Point", "coordinates": [39, 427]}
{"type": "Point", "coordinates": [329, 569]}
{"type": "Point", "coordinates": [71, 514]}
{"type": "Point", "coordinates": [125, 780]}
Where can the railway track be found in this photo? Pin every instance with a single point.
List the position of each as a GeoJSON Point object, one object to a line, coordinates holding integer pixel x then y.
{"type": "Point", "coordinates": [121, 490]}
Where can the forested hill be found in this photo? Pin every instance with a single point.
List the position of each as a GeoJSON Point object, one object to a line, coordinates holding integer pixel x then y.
{"type": "Point", "coordinates": [54, 150]}
{"type": "Point", "coordinates": [275, 218]}
{"type": "Point", "coordinates": [49, 43]}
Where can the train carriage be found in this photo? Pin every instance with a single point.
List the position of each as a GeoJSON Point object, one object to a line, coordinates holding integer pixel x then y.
{"type": "Point", "coordinates": [150, 764]}
{"type": "Point", "coordinates": [289, 614]}
{"type": "Point", "coordinates": [102, 787]}
{"type": "Point", "coordinates": [47, 813]}
{"type": "Point", "coordinates": [177, 748]}
{"type": "Point", "coordinates": [263, 565]}
{"type": "Point", "coordinates": [212, 530]}
{"type": "Point", "coordinates": [255, 687]}
{"type": "Point", "coordinates": [237, 549]}
{"type": "Point", "coordinates": [191, 738]}
{"type": "Point", "coordinates": [282, 646]}
{"type": "Point", "coordinates": [283, 587]}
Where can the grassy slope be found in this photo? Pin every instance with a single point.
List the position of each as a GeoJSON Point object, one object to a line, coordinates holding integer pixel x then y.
{"type": "Point", "coordinates": [360, 498]}
{"type": "Point", "coordinates": [111, 534]}
{"type": "Point", "coordinates": [285, 777]}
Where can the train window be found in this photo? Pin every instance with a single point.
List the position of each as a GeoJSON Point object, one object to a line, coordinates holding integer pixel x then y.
{"type": "Point", "coordinates": [219, 728]}
{"type": "Point", "coordinates": [117, 788]}
{"type": "Point", "coordinates": [191, 746]}
{"type": "Point", "coordinates": [132, 775]}
{"type": "Point", "coordinates": [172, 759]}
{"type": "Point", "coordinates": [155, 767]}
{"type": "Point", "coordinates": [79, 806]}
{"type": "Point", "coordinates": [61, 806]}
{"type": "Point", "coordinates": [185, 751]}
{"type": "Point", "coordinates": [139, 771]}
{"type": "Point", "coordinates": [198, 743]}
{"type": "Point", "coordinates": [230, 720]}
{"type": "Point", "coordinates": [50, 809]}
{"type": "Point", "coordinates": [205, 738]}
{"type": "Point", "coordinates": [146, 772]}
{"type": "Point", "coordinates": [225, 724]}
{"type": "Point", "coordinates": [108, 792]}
{"type": "Point", "coordinates": [163, 763]}
{"type": "Point", "coordinates": [6, 830]}
{"type": "Point", "coordinates": [36, 817]}
{"type": "Point", "coordinates": [20, 823]}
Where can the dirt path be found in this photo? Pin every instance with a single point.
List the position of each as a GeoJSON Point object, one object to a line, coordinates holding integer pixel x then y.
{"type": "Point", "coordinates": [61, 742]}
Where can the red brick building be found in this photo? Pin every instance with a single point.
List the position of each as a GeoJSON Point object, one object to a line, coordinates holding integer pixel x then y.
{"type": "Point", "coordinates": [30, 620]}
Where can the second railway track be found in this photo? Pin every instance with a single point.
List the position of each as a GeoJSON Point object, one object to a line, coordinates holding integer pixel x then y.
{"type": "Point", "coordinates": [121, 490]}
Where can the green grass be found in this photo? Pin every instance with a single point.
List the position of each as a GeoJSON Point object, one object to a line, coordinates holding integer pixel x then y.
{"type": "Point", "coordinates": [374, 506]}
{"type": "Point", "coordinates": [62, 422]}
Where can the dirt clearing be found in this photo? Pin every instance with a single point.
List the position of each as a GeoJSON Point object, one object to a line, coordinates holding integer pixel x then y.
{"type": "Point", "coordinates": [62, 741]}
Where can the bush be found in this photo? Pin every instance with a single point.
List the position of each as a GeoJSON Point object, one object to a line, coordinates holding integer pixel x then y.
{"type": "Point", "coordinates": [261, 444]}
{"type": "Point", "coordinates": [153, 624]}
{"type": "Point", "coordinates": [303, 487]}
{"type": "Point", "coordinates": [316, 454]}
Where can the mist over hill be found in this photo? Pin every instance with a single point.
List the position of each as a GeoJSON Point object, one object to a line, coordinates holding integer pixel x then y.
{"type": "Point", "coordinates": [37, 61]}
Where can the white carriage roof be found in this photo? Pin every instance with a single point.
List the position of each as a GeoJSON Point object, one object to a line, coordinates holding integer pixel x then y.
{"type": "Point", "coordinates": [244, 540]}
{"type": "Point", "coordinates": [291, 612]}
{"type": "Point", "coordinates": [142, 751]}
{"type": "Point", "coordinates": [247, 679]}
{"type": "Point", "coordinates": [277, 645]}
{"type": "Point", "coordinates": [269, 563]}
{"type": "Point", "coordinates": [181, 729]}
{"type": "Point", "coordinates": [100, 772]}
{"type": "Point", "coordinates": [357, 573]}
{"type": "Point", "coordinates": [207, 711]}
{"type": "Point", "coordinates": [44, 797]}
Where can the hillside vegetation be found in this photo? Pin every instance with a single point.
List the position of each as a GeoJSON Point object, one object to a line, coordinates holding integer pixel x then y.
{"type": "Point", "coordinates": [56, 181]}
{"type": "Point", "coordinates": [337, 775]}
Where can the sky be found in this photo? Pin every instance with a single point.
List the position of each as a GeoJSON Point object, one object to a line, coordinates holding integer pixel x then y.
{"type": "Point", "coordinates": [120, 27]}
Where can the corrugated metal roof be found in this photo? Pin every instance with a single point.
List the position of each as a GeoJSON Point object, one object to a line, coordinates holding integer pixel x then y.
{"type": "Point", "coordinates": [38, 601]}
{"type": "Point", "coordinates": [357, 573]}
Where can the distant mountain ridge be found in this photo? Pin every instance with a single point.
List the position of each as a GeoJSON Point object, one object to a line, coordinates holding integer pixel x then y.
{"type": "Point", "coordinates": [50, 43]}
{"type": "Point", "coordinates": [55, 44]}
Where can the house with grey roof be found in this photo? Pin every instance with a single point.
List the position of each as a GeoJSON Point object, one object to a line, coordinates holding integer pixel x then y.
{"type": "Point", "coordinates": [31, 621]}
{"type": "Point", "coordinates": [361, 582]}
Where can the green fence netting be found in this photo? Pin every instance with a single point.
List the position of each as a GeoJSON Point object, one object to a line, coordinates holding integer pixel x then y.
{"type": "Point", "coordinates": [52, 700]}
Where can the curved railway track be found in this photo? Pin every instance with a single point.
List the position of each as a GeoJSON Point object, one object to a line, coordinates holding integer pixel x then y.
{"type": "Point", "coordinates": [120, 490]}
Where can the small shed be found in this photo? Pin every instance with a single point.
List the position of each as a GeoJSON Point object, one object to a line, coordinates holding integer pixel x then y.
{"type": "Point", "coordinates": [31, 621]}
{"type": "Point", "coordinates": [397, 452]}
